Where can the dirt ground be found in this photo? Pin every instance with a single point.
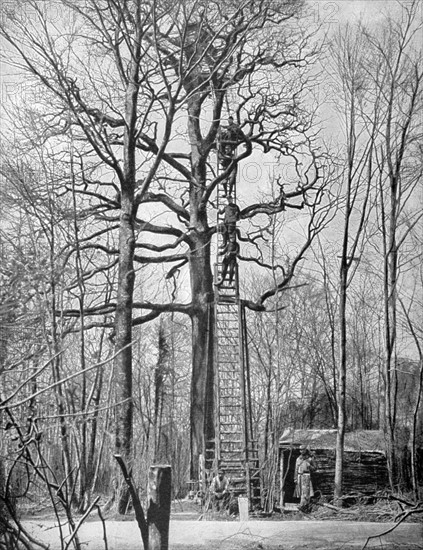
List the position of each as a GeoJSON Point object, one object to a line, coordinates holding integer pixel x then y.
{"type": "Point", "coordinates": [190, 530]}
{"type": "Point", "coordinates": [234, 535]}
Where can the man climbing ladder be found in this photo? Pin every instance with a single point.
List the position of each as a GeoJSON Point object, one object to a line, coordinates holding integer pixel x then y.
{"type": "Point", "coordinates": [230, 138]}
{"type": "Point", "coordinates": [233, 447]}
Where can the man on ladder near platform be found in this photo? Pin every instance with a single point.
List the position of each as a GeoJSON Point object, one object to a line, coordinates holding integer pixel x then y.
{"type": "Point", "coordinates": [232, 447]}
{"type": "Point", "coordinates": [230, 217]}
{"type": "Point", "coordinates": [230, 138]}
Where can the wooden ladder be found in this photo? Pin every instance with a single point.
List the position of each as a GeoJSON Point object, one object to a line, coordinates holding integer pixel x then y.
{"type": "Point", "coordinates": [233, 447]}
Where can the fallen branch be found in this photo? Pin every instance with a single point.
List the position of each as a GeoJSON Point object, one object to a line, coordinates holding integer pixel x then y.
{"type": "Point", "coordinates": [417, 509]}
{"type": "Point", "coordinates": [103, 523]}
{"type": "Point", "coordinates": [80, 522]}
{"type": "Point", "coordinates": [138, 509]}
{"type": "Point", "coordinates": [340, 510]}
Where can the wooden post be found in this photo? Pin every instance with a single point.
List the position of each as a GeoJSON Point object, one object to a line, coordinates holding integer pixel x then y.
{"type": "Point", "coordinates": [138, 509]}
{"type": "Point", "coordinates": [281, 480]}
{"type": "Point", "coordinates": [159, 499]}
{"type": "Point", "coordinates": [202, 475]}
{"type": "Point", "coordinates": [243, 508]}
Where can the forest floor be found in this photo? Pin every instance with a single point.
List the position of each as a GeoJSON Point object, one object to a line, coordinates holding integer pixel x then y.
{"type": "Point", "coordinates": [323, 528]}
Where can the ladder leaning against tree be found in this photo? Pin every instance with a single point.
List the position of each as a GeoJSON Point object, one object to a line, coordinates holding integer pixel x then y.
{"type": "Point", "coordinates": [233, 447]}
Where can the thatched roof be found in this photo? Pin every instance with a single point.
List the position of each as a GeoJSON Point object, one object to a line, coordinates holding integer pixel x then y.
{"type": "Point", "coordinates": [358, 441]}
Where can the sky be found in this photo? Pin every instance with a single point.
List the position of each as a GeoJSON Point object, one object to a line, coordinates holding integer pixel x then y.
{"type": "Point", "coordinates": [330, 16]}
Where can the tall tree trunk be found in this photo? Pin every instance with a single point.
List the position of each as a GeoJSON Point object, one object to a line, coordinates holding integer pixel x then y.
{"type": "Point", "coordinates": [201, 277]}
{"type": "Point", "coordinates": [202, 319]}
{"type": "Point", "coordinates": [82, 450]}
{"type": "Point", "coordinates": [391, 277]}
{"type": "Point", "coordinates": [160, 455]}
{"type": "Point", "coordinates": [340, 436]}
{"type": "Point", "coordinates": [126, 274]}
{"type": "Point", "coordinates": [56, 367]}
{"type": "Point", "coordinates": [123, 328]}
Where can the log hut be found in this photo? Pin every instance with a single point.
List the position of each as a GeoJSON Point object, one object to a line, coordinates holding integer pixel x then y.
{"type": "Point", "coordinates": [365, 467]}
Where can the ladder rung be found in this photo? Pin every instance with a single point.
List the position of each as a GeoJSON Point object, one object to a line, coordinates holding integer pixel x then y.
{"type": "Point", "coordinates": [230, 397]}
{"type": "Point", "coordinates": [227, 423]}
{"type": "Point", "coordinates": [230, 371]}
{"type": "Point", "coordinates": [232, 452]}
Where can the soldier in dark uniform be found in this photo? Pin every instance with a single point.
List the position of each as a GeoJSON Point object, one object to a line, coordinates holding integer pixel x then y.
{"type": "Point", "coordinates": [230, 138]}
{"type": "Point", "coordinates": [229, 261]}
{"type": "Point", "coordinates": [231, 212]}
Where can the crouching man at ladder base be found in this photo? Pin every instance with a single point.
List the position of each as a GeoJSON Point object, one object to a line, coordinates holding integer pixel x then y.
{"type": "Point", "coordinates": [219, 491]}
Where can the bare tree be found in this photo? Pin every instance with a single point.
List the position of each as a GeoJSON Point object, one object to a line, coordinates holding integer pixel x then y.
{"type": "Point", "coordinates": [398, 102]}
{"type": "Point", "coordinates": [143, 112]}
{"type": "Point", "coordinates": [412, 318]}
{"type": "Point", "coordinates": [357, 179]}
{"type": "Point", "coordinates": [380, 73]}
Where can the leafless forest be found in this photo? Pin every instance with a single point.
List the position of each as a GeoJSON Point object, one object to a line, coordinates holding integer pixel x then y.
{"type": "Point", "coordinates": [108, 226]}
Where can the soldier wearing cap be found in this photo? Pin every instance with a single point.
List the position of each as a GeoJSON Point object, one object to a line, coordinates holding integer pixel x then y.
{"type": "Point", "coordinates": [304, 466]}
{"type": "Point", "coordinates": [219, 490]}
{"type": "Point", "coordinates": [231, 216]}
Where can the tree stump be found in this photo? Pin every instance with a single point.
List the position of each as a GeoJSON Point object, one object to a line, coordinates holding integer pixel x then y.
{"type": "Point", "coordinates": [159, 500]}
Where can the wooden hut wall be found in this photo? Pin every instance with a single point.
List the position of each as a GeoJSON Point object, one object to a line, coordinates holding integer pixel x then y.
{"type": "Point", "coordinates": [364, 472]}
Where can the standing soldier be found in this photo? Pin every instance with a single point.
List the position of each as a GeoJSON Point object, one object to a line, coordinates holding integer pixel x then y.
{"type": "Point", "coordinates": [230, 138]}
{"type": "Point", "coordinates": [231, 216]}
{"type": "Point", "coordinates": [304, 465]}
{"type": "Point", "coordinates": [229, 261]}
